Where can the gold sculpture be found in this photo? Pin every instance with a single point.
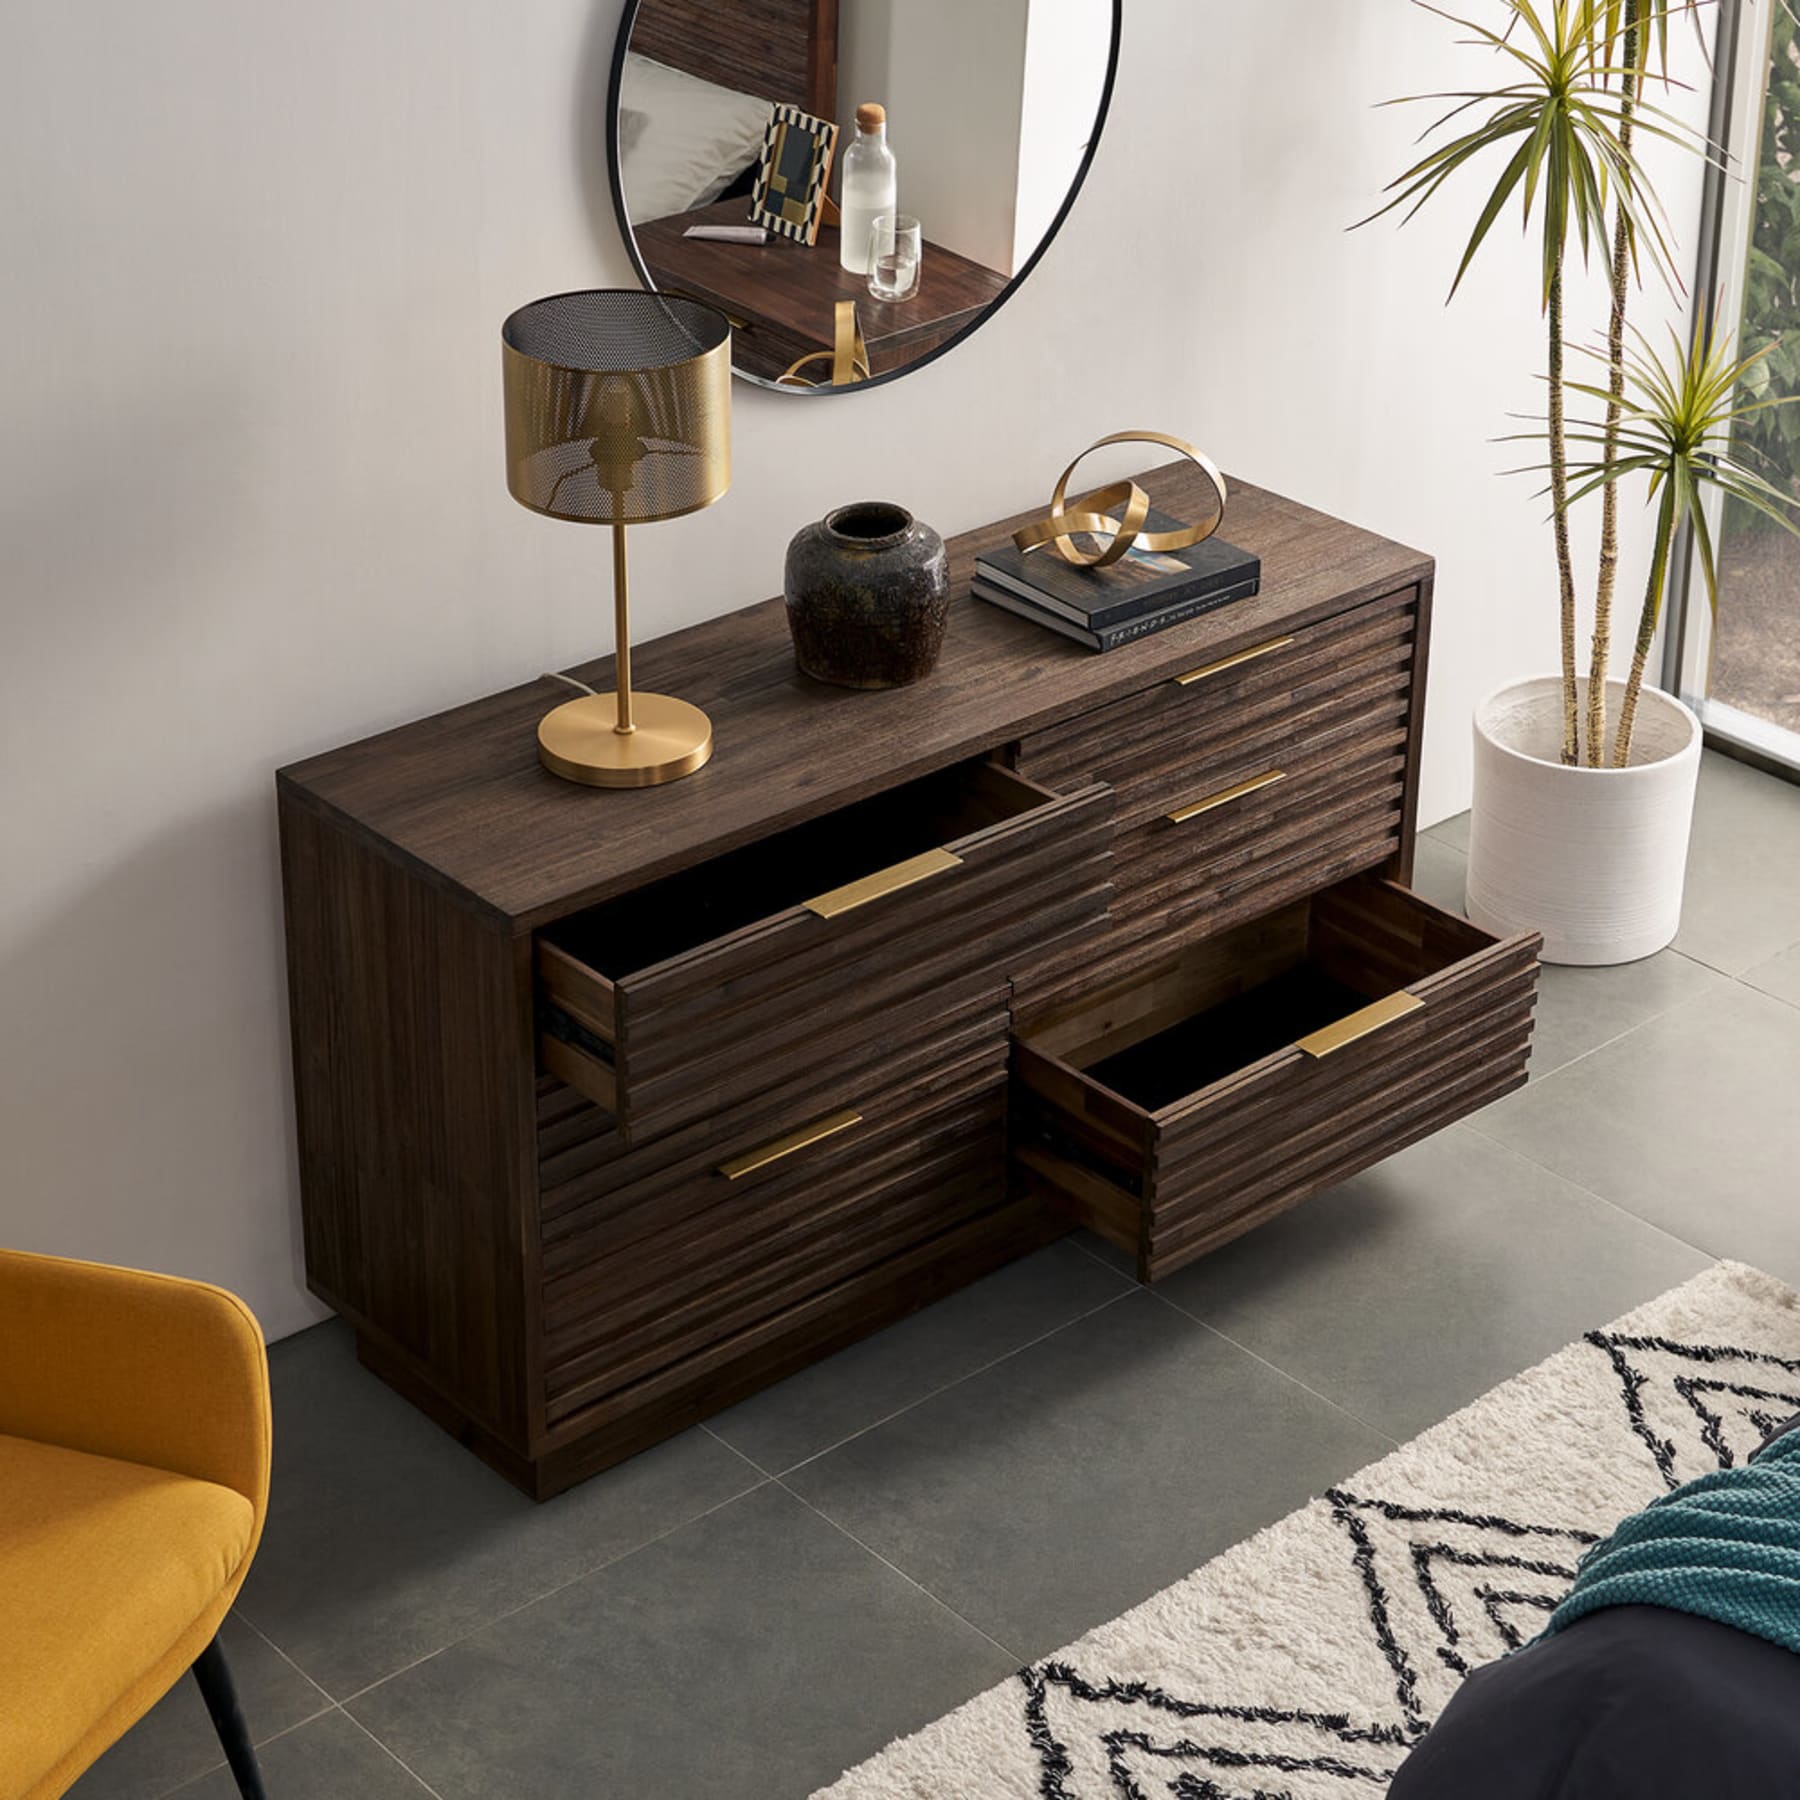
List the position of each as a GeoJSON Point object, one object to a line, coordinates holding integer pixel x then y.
{"type": "Point", "coordinates": [1093, 518]}
{"type": "Point", "coordinates": [849, 356]}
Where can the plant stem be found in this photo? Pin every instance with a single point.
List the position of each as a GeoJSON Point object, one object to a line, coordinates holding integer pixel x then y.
{"type": "Point", "coordinates": [1601, 656]}
{"type": "Point", "coordinates": [1653, 596]}
{"type": "Point", "coordinates": [1559, 493]}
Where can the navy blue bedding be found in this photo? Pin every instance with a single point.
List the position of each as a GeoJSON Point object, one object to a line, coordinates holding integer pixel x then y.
{"type": "Point", "coordinates": [1634, 1703]}
{"type": "Point", "coordinates": [1629, 1703]}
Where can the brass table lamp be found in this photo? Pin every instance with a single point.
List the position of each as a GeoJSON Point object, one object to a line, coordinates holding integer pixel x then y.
{"type": "Point", "coordinates": [618, 412]}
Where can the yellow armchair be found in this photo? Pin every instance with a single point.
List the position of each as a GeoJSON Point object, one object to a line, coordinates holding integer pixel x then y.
{"type": "Point", "coordinates": [134, 1476]}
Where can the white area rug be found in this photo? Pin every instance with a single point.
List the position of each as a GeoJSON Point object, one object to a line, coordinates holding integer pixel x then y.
{"type": "Point", "coordinates": [1303, 1663]}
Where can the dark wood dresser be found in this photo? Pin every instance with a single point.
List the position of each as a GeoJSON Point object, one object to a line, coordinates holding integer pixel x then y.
{"type": "Point", "coordinates": [781, 297]}
{"type": "Point", "coordinates": [617, 1106]}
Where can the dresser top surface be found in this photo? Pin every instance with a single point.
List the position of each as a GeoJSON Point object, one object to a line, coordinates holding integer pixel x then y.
{"type": "Point", "coordinates": [462, 798]}
{"type": "Point", "coordinates": [798, 286]}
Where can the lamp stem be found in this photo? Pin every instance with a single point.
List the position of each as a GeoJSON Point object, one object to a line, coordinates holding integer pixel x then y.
{"type": "Point", "coordinates": [623, 723]}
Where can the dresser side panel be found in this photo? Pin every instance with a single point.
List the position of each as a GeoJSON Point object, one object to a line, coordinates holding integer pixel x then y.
{"type": "Point", "coordinates": [414, 1093]}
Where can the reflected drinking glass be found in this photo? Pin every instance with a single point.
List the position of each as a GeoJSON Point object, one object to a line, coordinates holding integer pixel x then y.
{"type": "Point", "coordinates": [896, 248]}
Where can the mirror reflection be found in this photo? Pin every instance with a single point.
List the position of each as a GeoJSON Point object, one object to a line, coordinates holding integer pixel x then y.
{"type": "Point", "coordinates": [854, 183]}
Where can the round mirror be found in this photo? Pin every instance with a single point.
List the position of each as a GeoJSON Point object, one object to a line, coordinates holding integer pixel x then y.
{"type": "Point", "coordinates": [855, 184]}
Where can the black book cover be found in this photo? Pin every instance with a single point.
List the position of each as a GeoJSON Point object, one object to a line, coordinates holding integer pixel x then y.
{"type": "Point", "coordinates": [1139, 583]}
{"type": "Point", "coordinates": [1111, 636]}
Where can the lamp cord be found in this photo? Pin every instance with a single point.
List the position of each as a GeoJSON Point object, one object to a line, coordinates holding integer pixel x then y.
{"type": "Point", "coordinates": [568, 681]}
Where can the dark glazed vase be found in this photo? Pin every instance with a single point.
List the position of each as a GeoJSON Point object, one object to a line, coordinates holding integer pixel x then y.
{"type": "Point", "coordinates": [868, 592]}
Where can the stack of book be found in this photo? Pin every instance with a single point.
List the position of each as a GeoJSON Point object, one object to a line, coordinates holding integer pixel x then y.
{"type": "Point", "coordinates": [1144, 592]}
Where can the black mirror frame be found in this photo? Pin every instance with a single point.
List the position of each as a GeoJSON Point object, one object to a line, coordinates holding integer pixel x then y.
{"type": "Point", "coordinates": [615, 180]}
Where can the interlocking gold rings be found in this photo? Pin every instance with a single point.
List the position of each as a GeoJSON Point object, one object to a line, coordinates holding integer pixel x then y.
{"type": "Point", "coordinates": [1092, 514]}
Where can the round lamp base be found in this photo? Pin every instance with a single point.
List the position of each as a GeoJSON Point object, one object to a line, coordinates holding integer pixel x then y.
{"type": "Point", "coordinates": [577, 741]}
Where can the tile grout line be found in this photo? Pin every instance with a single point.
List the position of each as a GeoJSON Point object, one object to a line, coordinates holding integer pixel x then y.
{"type": "Point", "coordinates": [1126, 1293]}
{"type": "Point", "coordinates": [1018, 1662]}
{"type": "Point", "coordinates": [1275, 1368]}
{"type": "Point", "coordinates": [743, 1456]}
{"type": "Point", "coordinates": [1729, 974]}
{"type": "Point", "coordinates": [1095, 1256]}
{"type": "Point", "coordinates": [705, 1429]}
{"type": "Point", "coordinates": [764, 1478]}
{"type": "Point", "coordinates": [1779, 999]}
{"type": "Point", "coordinates": [607, 1562]}
{"type": "Point", "coordinates": [390, 1752]}
{"type": "Point", "coordinates": [327, 1705]}
{"type": "Point", "coordinates": [251, 1625]}
{"type": "Point", "coordinates": [1594, 1193]}
{"type": "Point", "coordinates": [275, 1737]}
{"type": "Point", "coordinates": [1655, 1018]}
{"type": "Point", "coordinates": [932, 1394]}
{"type": "Point", "coordinates": [1473, 1121]}
{"type": "Point", "coordinates": [1286, 1375]}
{"type": "Point", "coordinates": [1744, 980]}
{"type": "Point", "coordinates": [886, 1563]}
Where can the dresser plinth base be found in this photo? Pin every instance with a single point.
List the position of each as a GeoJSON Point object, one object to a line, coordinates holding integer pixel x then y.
{"type": "Point", "coordinates": [621, 1429]}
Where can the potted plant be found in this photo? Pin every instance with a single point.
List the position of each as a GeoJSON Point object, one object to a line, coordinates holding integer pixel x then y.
{"type": "Point", "coordinates": [1584, 785]}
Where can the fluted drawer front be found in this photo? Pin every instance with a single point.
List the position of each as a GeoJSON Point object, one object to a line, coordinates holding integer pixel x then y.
{"type": "Point", "coordinates": [1279, 772]}
{"type": "Point", "coordinates": [1241, 773]}
{"type": "Point", "coordinates": [1344, 779]}
{"type": "Point", "coordinates": [764, 973]}
{"type": "Point", "coordinates": [1206, 710]}
{"type": "Point", "coordinates": [651, 1258]}
{"type": "Point", "coordinates": [1206, 1093]}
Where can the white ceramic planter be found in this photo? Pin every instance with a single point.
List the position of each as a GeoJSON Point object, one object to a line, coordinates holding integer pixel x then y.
{"type": "Point", "coordinates": [1595, 859]}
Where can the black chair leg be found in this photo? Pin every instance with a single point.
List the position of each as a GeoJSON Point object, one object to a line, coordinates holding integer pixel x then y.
{"type": "Point", "coordinates": [220, 1694]}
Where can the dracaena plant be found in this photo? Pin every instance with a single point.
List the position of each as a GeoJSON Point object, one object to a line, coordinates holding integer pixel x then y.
{"type": "Point", "coordinates": [1674, 421]}
{"type": "Point", "coordinates": [1564, 122]}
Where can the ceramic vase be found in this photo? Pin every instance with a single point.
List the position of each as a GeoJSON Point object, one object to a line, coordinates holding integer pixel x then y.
{"type": "Point", "coordinates": [868, 595]}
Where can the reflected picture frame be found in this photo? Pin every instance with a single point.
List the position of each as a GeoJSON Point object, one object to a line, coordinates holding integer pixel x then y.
{"type": "Point", "coordinates": [789, 195]}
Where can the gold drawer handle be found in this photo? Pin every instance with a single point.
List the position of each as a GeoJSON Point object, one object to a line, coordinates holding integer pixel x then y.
{"type": "Point", "coordinates": [1232, 662]}
{"type": "Point", "coordinates": [1254, 785]}
{"type": "Point", "coordinates": [883, 882]}
{"type": "Point", "coordinates": [795, 1141]}
{"type": "Point", "coordinates": [1360, 1024]}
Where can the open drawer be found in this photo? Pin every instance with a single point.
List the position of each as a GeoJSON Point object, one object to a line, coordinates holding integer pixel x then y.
{"type": "Point", "coordinates": [767, 970]}
{"type": "Point", "coordinates": [1180, 1108]}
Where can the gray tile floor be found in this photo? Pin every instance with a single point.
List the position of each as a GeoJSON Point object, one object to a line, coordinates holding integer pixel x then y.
{"type": "Point", "coordinates": [748, 1610]}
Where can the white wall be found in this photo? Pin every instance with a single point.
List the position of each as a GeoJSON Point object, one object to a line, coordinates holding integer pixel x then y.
{"type": "Point", "coordinates": [250, 473]}
{"type": "Point", "coordinates": [951, 76]}
{"type": "Point", "coordinates": [1066, 46]}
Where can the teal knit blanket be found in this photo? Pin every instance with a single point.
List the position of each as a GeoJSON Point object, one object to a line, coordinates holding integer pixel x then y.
{"type": "Point", "coordinates": [1725, 1547]}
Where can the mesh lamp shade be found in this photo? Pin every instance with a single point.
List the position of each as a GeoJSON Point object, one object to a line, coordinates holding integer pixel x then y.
{"type": "Point", "coordinates": [618, 412]}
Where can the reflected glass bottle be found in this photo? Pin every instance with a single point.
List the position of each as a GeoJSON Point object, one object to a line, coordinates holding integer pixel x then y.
{"type": "Point", "coordinates": [871, 187]}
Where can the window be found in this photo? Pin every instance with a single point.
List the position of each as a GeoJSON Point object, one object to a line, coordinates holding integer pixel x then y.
{"type": "Point", "coordinates": [1742, 670]}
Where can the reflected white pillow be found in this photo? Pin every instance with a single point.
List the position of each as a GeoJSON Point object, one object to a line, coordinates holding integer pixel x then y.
{"type": "Point", "coordinates": [695, 139]}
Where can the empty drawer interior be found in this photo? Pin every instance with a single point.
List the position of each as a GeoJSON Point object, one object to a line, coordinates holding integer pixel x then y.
{"type": "Point", "coordinates": [1306, 976]}
{"type": "Point", "coordinates": [777, 874]}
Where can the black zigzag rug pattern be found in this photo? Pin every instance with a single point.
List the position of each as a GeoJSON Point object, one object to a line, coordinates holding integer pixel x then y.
{"type": "Point", "coordinates": [1445, 1591]}
{"type": "Point", "coordinates": [1417, 1563]}
{"type": "Point", "coordinates": [1736, 1397]}
{"type": "Point", "coordinates": [1150, 1742]}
